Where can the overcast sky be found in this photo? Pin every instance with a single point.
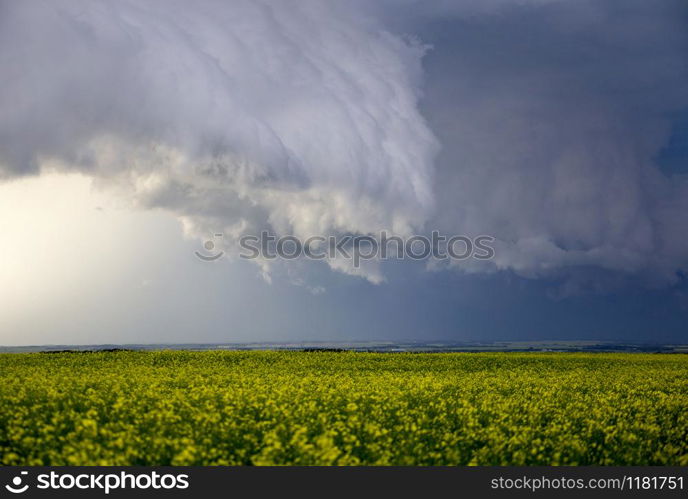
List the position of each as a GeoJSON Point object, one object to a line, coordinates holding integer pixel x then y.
{"type": "Point", "coordinates": [131, 132]}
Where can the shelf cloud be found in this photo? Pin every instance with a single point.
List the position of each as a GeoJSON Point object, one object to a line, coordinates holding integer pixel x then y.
{"type": "Point", "coordinates": [237, 115]}
{"type": "Point", "coordinates": [536, 122]}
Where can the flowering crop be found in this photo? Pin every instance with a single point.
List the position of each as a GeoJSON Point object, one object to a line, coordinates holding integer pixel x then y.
{"type": "Point", "coordinates": [322, 408]}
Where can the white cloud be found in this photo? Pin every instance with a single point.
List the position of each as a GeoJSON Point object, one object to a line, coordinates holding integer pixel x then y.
{"type": "Point", "coordinates": [244, 114]}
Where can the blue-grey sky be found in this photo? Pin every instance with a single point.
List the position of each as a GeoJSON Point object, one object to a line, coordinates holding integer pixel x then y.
{"type": "Point", "coordinates": [131, 132]}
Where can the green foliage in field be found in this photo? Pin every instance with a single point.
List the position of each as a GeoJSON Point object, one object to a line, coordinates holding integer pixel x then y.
{"type": "Point", "coordinates": [231, 408]}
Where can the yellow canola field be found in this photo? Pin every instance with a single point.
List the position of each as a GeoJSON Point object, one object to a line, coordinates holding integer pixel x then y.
{"type": "Point", "coordinates": [328, 408]}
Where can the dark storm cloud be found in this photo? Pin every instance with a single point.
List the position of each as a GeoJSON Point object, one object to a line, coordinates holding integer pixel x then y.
{"type": "Point", "coordinates": [551, 117]}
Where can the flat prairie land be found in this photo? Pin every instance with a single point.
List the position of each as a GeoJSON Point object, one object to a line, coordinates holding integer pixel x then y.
{"type": "Point", "coordinates": [343, 408]}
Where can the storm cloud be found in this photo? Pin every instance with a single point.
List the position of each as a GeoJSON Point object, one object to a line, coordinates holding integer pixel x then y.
{"type": "Point", "coordinates": [234, 115]}
{"type": "Point", "coordinates": [552, 117]}
{"type": "Point", "coordinates": [537, 122]}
